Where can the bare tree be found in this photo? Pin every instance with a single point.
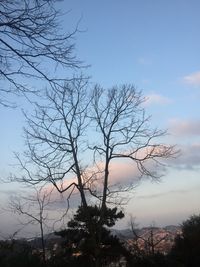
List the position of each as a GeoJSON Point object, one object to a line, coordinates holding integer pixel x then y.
{"type": "Point", "coordinates": [146, 243]}
{"type": "Point", "coordinates": [30, 40]}
{"type": "Point", "coordinates": [75, 138]}
{"type": "Point", "coordinates": [55, 139]}
{"type": "Point", "coordinates": [34, 210]}
{"type": "Point", "coordinates": [126, 134]}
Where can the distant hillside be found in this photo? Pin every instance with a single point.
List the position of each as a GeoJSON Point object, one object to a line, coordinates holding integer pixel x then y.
{"type": "Point", "coordinates": [166, 234]}
{"type": "Point", "coordinates": [162, 239]}
{"type": "Point", "coordinates": [127, 233]}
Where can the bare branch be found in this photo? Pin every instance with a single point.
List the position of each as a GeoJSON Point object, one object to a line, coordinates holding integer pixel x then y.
{"type": "Point", "coordinates": [74, 139]}
{"type": "Point", "coordinates": [33, 209]}
{"type": "Point", "coordinates": [30, 39]}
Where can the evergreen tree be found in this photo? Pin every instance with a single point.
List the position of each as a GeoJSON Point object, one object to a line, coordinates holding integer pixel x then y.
{"type": "Point", "coordinates": [87, 240]}
{"type": "Point", "coordinates": [186, 251]}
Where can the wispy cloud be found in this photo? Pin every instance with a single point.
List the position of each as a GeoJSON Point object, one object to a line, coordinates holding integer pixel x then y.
{"type": "Point", "coordinates": [144, 61]}
{"type": "Point", "coordinates": [182, 130]}
{"type": "Point", "coordinates": [189, 158]}
{"type": "Point", "coordinates": [163, 194]}
{"type": "Point", "coordinates": [123, 175]}
{"type": "Point", "coordinates": [192, 79]}
{"type": "Point", "coordinates": [180, 127]}
{"type": "Point", "coordinates": [157, 99]}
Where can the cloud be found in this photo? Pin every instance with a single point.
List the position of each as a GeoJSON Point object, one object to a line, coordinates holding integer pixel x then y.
{"type": "Point", "coordinates": [123, 172]}
{"type": "Point", "coordinates": [8, 192]}
{"type": "Point", "coordinates": [189, 158]}
{"type": "Point", "coordinates": [192, 79]}
{"type": "Point", "coordinates": [163, 194]}
{"type": "Point", "coordinates": [186, 130]}
{"type": "Point", "coordinates": [123, 175]}
{"type": "Point", "coordinates": [144, 61]}
{"type": "Point", "coordinates": [180, 127]}
{"type": "Point", "coordinates": [60, 201]}
{"type": "Point", "coordinates": [157, 99]}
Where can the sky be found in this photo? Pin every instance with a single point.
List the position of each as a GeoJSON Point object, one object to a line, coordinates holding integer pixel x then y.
{"type": "Point", "coordinates": [153, 45]}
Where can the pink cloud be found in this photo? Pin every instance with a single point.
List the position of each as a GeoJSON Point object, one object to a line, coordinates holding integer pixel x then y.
{"type": "Point", "coordinates": [189, 157]}
{"type": "Point", "coordinates": [154, 98]}
{"type": "Point", "coordinates": [124, 172]}
{"type": "Point", "coordinates": [192, 79]}
{"type": "Point", "coordinates": [184, 127]}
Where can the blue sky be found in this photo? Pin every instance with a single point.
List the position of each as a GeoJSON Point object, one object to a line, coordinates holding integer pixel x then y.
{"type": "Point", "coordinates": [154, 45]}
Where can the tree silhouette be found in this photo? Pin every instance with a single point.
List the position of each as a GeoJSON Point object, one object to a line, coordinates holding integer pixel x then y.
{"type": "Point", "coordinates": [33, 210]}
{"type": "Point", "coordinates": [77, 135]}
{"type": "Point", "coordinates": [17, 253]}
{"type": "Point", "coordinates": [186, 251]}
{"type": "Point", "coordinates": [83, 241]}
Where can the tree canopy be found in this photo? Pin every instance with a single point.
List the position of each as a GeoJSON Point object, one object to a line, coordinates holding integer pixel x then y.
{"type": "Point", "coordinates": [186, 251]}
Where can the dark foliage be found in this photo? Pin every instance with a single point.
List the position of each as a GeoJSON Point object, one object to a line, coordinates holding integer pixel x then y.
{"type": "Point", "coordinates": [18, 254]}
{"type": "Point", "coordinates": [81, 240]}
{"type": "Point", "coordinates": [186, 251]}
